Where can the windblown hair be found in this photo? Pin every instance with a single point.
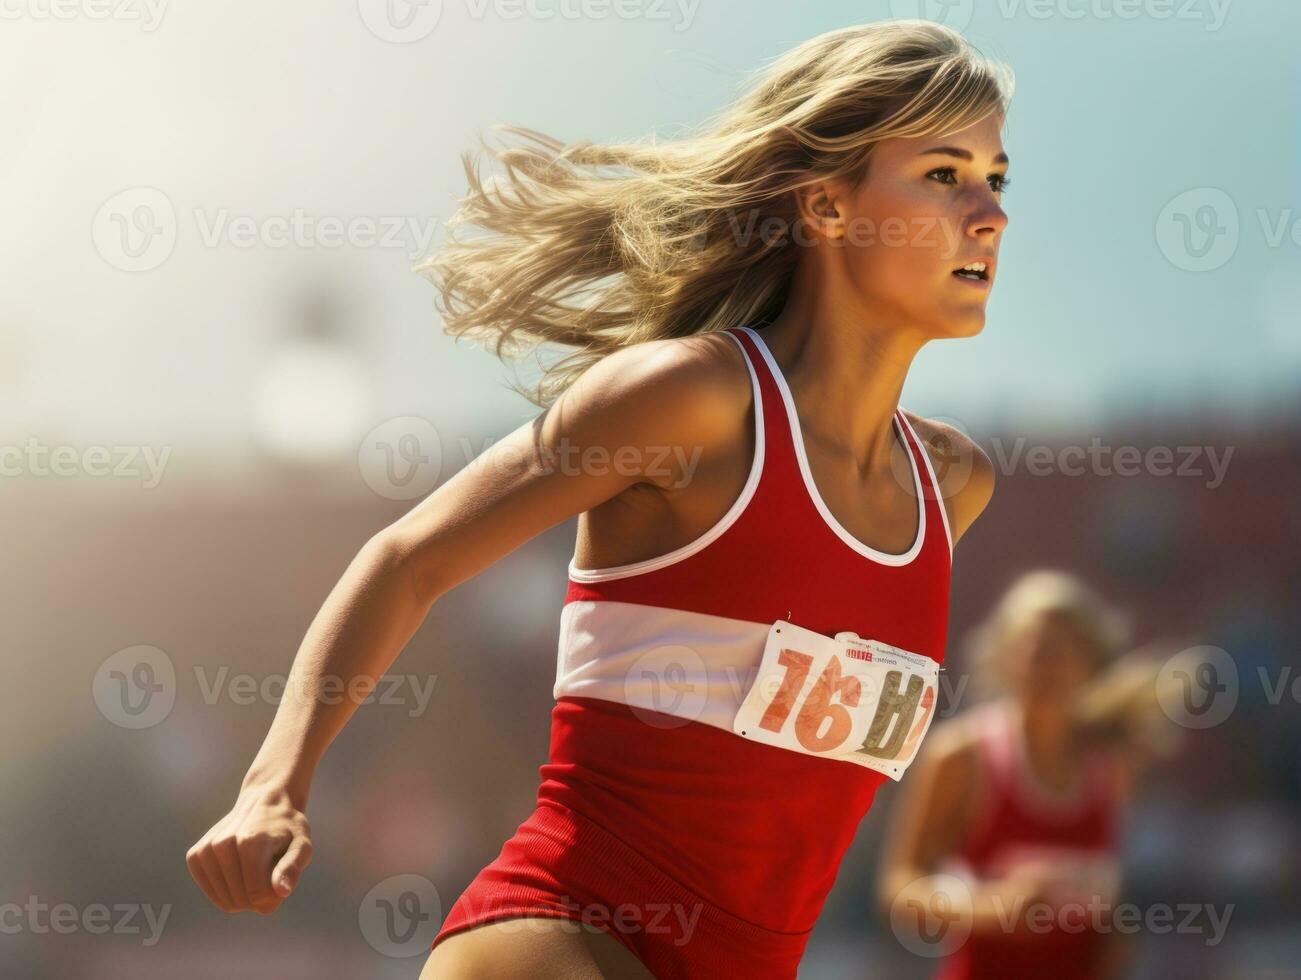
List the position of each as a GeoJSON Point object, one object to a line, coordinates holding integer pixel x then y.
{"type": "Point", "coordinates": [598, 247]}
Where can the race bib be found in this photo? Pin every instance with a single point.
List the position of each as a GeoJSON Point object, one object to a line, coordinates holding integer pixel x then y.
{"type": "Point", "coordinates": [845, 698]}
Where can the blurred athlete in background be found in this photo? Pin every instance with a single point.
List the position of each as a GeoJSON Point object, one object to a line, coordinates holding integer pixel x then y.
{"type": "Point", "coordinates": [1009, 822]}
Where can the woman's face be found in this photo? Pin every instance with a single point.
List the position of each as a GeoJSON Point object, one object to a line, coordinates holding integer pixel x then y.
{"type": "Point", "coordinates": [1048, 659]}
{"type": "Point", "coordinates": [927, 207]}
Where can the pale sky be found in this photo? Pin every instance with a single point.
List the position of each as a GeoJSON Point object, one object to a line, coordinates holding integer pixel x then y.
{"type": "Point", "coordinates": [244, 114]}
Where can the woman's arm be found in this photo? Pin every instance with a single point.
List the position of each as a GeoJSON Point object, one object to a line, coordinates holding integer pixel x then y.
{"type": "Point", "coordinates": [598, 439]}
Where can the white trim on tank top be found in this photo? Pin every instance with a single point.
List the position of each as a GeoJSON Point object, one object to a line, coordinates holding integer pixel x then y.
{"type": "Point", "coordinates": [723, 523]}
{"type": "Point", "coordinates": [935, 483]}
{"type": "Point", "coordinates": [797, 437]}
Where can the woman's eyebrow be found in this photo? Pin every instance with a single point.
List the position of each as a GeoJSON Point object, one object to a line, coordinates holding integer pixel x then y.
{"type": "Point", "coordinates": [961, 154]}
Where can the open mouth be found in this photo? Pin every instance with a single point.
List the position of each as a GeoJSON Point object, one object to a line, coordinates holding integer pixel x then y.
{"type": "Point", "coordinates": [973, 271]}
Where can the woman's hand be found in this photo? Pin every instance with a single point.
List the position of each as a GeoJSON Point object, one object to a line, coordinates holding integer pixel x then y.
{"type": "Point", "coordinates": [253, 857]}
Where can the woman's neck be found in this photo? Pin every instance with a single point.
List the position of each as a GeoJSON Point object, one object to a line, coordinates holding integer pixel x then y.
{"type": "Point", "coordinates": [845, 369]}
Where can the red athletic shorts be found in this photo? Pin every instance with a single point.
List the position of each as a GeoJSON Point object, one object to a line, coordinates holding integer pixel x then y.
{"type": "Point", "coordinates": [561, 864]}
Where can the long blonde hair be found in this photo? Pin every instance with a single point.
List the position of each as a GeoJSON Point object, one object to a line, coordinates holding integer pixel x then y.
{"type": "Point", "coordinates": [594, 259]}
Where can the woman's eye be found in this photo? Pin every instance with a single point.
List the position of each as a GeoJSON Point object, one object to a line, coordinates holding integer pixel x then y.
{"type": "Point", "coordinates": [998, 182]}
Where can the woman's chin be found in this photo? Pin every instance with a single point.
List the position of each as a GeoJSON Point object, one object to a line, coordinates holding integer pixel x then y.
{"type": "Point", "coordinates": [965, 324]}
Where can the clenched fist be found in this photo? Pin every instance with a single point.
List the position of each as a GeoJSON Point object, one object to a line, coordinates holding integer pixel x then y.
{"type": "Point", "coordinates": [253, 857]}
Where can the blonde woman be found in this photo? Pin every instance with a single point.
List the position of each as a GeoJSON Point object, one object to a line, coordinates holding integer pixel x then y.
{"type": "Point", "coordinates": [743, 307]}
{"type": "Point", "coordinates": [1010, 823]}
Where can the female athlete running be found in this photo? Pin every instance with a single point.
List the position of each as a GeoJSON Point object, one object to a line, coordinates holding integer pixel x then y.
{"type": "Point", "coordinates": [758, 599]}
{"type": "Point", "coordinates": [1014, 808]}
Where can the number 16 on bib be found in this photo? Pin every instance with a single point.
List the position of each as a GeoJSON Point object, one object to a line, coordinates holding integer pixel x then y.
{"type": "Point", "coordinates": [848, 698]}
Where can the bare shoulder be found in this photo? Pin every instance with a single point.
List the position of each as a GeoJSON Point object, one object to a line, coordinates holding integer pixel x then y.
{"type": "Point", "coordinates": [964, 471]}
{"type": "Point", "coordinates": [679, 391]}
{"type": "Point", "coordinates": [706, 364]}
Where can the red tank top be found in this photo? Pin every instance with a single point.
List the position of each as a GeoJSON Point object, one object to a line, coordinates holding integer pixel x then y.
{"type": "Point", "coordinates": [652, 664]}
{"type": "Point", "coordinates": [1018, 820]}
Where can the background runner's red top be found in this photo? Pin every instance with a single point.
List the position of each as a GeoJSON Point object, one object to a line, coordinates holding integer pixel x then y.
{"type": "Point", "coordinates": [655, 657]}
{"type": "Point", "coordinates": [1017, 821]}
